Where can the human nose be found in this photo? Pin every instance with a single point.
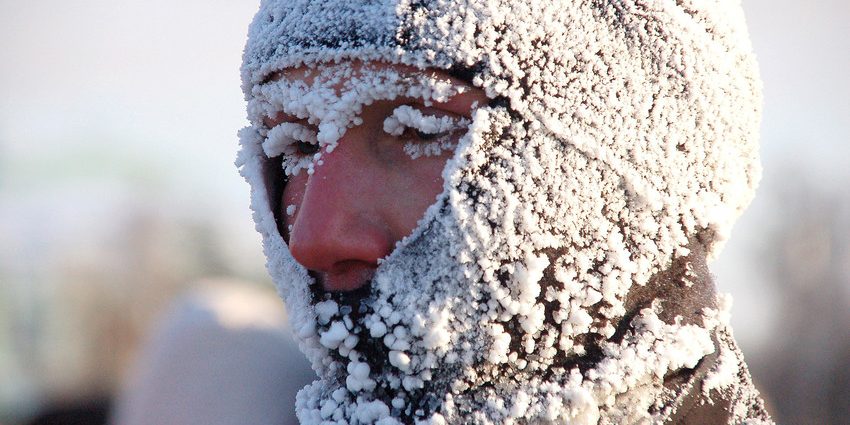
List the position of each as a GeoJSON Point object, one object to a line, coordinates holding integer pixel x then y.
{"type": "Point", "coordinates": [337, 229]}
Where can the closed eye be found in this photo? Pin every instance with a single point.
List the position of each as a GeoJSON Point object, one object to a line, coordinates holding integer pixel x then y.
{"type": "Point", "coordinates": [423, 124]}
{"type": "Point", "coordinates": [295, 142]}
{"type": "Point", "coordinates": [306, 147]}
{"type": "Point", "coordinates": [293, 136]}
{"type": "Point", "coordinates": [281, 117]}
{"type": "Point", "coordinates": [421, 135]}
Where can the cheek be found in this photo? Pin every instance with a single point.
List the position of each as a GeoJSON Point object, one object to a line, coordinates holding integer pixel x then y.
{"type": "Point", "coordinates": [432, 176]}
{"type": "Point", "coordinates": [424, 182]}
{"type": "Point", "coordinates": [290, 201]}
{"type": "Point", "coordinates": [431, 171]}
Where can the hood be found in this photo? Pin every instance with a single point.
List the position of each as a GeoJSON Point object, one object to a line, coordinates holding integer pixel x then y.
{"type": "Point", "coordinates": [619, 147]}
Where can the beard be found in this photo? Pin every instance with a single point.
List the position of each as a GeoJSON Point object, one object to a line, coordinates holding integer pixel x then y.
{"type": "Point", "coordinates": [394, 342]}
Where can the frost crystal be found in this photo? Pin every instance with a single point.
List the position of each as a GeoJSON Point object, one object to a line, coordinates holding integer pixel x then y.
{"type": "Point", "coordinates": [621, 138]}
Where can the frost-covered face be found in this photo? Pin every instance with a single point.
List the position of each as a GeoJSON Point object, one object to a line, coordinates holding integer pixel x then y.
{"type": "Point", "coordinates": [614, 134]}
{"type": "Point", "coordinates": [367, 193]}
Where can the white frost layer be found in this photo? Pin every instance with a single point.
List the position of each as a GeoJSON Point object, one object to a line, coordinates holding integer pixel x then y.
{"type": "Point", "coordinates": [621, 130]}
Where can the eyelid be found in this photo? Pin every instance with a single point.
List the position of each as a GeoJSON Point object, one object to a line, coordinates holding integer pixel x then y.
{"type": "Point", "coordinates": [280, 117]}
{"type": "Point", "coordinates": [426, 119]}
{"type": "Point", "coordinates": [282, 137]}
{"type": "Point", "coordinates": [435, 109]}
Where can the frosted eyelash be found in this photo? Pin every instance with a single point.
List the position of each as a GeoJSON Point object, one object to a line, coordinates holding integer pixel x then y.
{"type": "Point", "coordinates": [405, 117]}
{"type": "Point", "coordinates": [283, 136]}
{"type": "Point", "coordinates": [283, 139]}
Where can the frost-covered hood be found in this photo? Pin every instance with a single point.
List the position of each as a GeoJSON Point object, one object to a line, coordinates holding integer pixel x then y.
{"type": "Point", "coordinates": [622, 137]}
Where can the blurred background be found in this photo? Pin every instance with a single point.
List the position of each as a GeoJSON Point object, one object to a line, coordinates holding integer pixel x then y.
{"type": "Point", "coordinates": [119, 199]}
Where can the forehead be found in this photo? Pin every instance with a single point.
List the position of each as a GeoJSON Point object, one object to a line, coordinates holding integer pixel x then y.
{"type": "Point", "coordinates": [343, 75]}
{"type": "Point", "coordinates": [338, 91]}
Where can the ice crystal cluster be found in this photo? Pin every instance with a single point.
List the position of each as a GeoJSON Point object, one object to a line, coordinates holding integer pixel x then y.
{"type": "Point", "coordinates": [618, 131]}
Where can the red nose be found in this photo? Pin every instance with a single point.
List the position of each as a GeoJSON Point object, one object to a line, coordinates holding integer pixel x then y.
{"type": "Point", "coordinates": [339, 228]}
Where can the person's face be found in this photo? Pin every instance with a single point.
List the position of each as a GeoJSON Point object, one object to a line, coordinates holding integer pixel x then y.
{"type": "Point", "coordinates": [369, 191]}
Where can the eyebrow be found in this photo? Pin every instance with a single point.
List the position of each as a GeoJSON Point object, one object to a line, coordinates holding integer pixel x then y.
{"type": "Point", "coordinates": [461, 103]}
{"type": "Point", "coordinates": [282, 117]}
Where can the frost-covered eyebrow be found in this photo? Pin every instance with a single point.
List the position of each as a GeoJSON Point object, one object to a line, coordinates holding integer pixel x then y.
{"type": "Point", "coordinates": [462, 103]}
{"type": "Point", "coordinates": [281, 117]}
{"type": "Point", "coordinates": [459, 104]}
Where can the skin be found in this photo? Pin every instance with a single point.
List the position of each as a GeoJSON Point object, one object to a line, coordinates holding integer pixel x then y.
{"type": "Point", "coordinates": [368, 193]}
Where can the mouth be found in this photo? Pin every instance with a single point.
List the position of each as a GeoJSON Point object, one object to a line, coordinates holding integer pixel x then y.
{"type": "Point", "coordinates": [348, 276]}
{"type": "Point", "coordinates": [356, 299]}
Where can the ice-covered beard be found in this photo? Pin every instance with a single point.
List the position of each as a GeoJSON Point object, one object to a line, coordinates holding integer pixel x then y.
{"type": "Point", "coordinates": [398, 341]}
{"type": "Point", "coordinates": [412, 357]}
